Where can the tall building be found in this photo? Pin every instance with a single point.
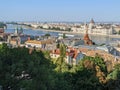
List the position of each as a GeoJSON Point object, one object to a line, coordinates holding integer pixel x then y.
{"type": "Point", "coordinates": [18, 31]}
{"type": "Point", "coordinates": [87, 40]}
{"type": "Point", "coordinates": [97, 29]}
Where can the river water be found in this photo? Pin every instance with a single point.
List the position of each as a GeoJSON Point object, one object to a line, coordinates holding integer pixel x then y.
{"type": "Point", "coordinates": [96, 38]}
{"type": "Point", "coordinates": [28, 31]}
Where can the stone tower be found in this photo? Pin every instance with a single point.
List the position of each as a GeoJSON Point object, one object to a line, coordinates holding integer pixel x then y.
{"type": "Point", "coordinates": [91, 25]}
{"type": "Point", "coordinates": [87, 40]}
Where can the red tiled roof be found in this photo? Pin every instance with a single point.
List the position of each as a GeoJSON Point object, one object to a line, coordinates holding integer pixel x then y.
{"type": "Point", "coordinates": [72, 53]}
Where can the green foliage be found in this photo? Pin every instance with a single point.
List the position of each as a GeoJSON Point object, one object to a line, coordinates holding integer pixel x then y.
{"type": "Point", "coordinates": [64, 35]}
{"type": "Point", "coordinates": [60, 62]}
{"type": "Point", "coordinates": [119, 32]}
{"type": "Point", "coordinates": [40, 27]}
{"type": "Point", "coordinates": [55, 28]}
{"type": "Point", "coordinates": [14, 23]}
{"type": "Point", "coordinates": [98, 61]}
{"type": "Point", "coordinates": [47, 35]}
{"type": "Point", "coordinates": [115, 74]}
{"type": "Point", "coordinates": [85, 79]}
{"type": "Point", "coordinates": [58, 45]}
{"type": "Point", "coordinates": [2, 25]}
{"type": "Point", "coordinates": [1, 39]}
{"type": "Point", "coordinates": [34, 71]}
{"type": "Point", "coordinates": [19, 69]}
{"type": "Point", "coordinates": [47, 54]}
{"type": "Point", "coordinates": [113, 78]}
{"type": "Point", "coordinates": [62, 82]}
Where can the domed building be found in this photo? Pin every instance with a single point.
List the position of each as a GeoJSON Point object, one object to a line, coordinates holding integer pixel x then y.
{"type": "Point", "coordinates": [91, 24]}
{"type": "Point", "coordinates": [92, 21]}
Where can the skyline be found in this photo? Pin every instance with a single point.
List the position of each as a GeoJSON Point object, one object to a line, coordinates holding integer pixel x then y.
{"type": "Point", "coordinates": [62, 10]}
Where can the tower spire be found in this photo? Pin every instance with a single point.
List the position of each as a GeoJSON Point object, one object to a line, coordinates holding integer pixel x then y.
{"type": "Point", "coordinates": [86, 28]}
{"type": "Point", "coordinates": [92, 21]}
{"type": "Point", "coordinates": [16, 30]}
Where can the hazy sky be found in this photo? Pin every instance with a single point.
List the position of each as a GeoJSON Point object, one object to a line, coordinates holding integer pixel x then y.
{"type": "Point", "coordinates": [59, 10]}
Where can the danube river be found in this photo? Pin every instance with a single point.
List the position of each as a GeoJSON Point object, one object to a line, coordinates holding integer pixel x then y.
{"type": "Point", "coordinates": [96, 38]}
{"type": "Point", "coordinates": [11, 29]}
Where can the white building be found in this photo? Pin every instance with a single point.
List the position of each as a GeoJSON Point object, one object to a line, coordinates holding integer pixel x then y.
{"type": "Point", "coordinates": [38, 43]}
{"type": "Point", "coordinates": [93, 28]}
{"type": "Point", "coordinates": [72, 56]}
{"type": "Point", "coordinates": [46, 26]}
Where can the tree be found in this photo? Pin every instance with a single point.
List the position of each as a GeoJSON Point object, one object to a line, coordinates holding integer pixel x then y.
{"type": "Point", "coordinates": [113, 79]}
{"type": "Point", "coordinates": [47, 35]}
{"type": "Point", "coordinates": [115, 74]}
{"type": "Point", "coordinates": [97, 61]}
{"type": "Point", "coordinates": [61, 65]}
{"type": "Point", "coordinates": [119, 32]}
{"type": "Point", "coordinates": [58, 45]}
{"type": "Point", "coordinates": [2, 25]}
{"type": "Point", "coordinates": [89, 74]}
{"type": "Point", "coordinates": [19, 69]}
{"type": "Point", "coordinates": [85, 77]}
{"type": "Point", "coordinates": [64, 35]}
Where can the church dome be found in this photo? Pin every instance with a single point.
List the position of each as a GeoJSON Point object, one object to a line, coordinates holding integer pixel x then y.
{"type": "Point", "coordinates": [92, 21]}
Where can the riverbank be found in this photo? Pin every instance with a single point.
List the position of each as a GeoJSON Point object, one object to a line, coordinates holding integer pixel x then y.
{"type": "Point", "coordinates": [99, 39]}
{"type": "Point", "coordinates": [77, 33]}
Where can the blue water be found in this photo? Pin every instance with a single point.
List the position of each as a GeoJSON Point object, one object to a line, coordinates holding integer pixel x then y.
{"type": "Point", "coordinates": [11, 29]}
{"type": "Point", "coordinates": [97, 39]}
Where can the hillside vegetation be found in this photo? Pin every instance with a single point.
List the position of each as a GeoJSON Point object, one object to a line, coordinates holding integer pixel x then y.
{"type": "Point", "coordinates": [21, 68]}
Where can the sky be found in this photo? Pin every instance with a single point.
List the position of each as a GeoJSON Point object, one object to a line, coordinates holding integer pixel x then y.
{"type": "Point", "coordinates": [60, 10]}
